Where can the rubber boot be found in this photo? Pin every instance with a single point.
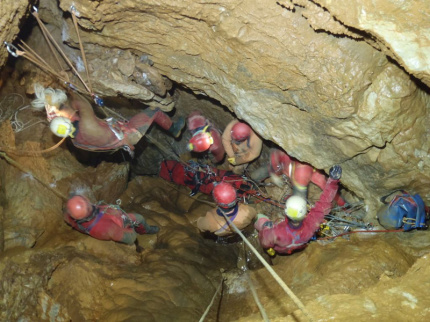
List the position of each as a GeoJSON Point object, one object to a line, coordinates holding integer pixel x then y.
{"type": "Point", "coordinates": [146, 229]}
{"type": "Point", "coordinates": [177, 127]}
{"type": "Point", "coordinates": [152, 230]}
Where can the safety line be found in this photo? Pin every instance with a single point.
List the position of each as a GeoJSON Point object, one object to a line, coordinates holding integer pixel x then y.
{"type": "Point", "coordinates": [212, 302]}
{"type": "Point", "coordinates": [213, 204]}
{"type": "Point", "coordinates": [75, 23]}
{"type": "Point", "coordinates": [284, 286]}
{"type": "Point", "coordinates": [362, 231]}
{"type": "Point", "coordinates": [256, 299]}
{"type": "Point", "coordinates": [20, 167]}
{"type": "Point", "coordinates": [42, 26]}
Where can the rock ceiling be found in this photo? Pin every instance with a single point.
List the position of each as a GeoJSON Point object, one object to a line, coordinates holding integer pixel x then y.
{"type": "Point", "coordinates": [329, 81]}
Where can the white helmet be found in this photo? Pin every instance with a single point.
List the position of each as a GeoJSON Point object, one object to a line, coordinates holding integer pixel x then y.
{"type": "Point", "coordinates": [62, 127]}
{"type": "Point", "coordinates": [295, 208]}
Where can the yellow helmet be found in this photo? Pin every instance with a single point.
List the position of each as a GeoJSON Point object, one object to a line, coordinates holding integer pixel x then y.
{"type": "Point", "coordinates": [62, 127]}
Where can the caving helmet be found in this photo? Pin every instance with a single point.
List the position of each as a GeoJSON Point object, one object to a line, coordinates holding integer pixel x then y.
{"type": "Point", "coordinates": [296, 208]}
{"type": "Point", "coordinates": [240, 132]}
{"type": "Point", "coordinates": [196, 120]}
{"type": "Point", "coordinates": [79, 207]}
{"type": "Point", "coordinates": [225, 195]}
{"type": "Point", "coordinates": [62, 127]}
{"type": "Point", "coordinates": [201, 141]}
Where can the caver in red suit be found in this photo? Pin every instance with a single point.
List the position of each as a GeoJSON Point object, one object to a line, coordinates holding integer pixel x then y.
{"type": "Point", "coordinates": [88, 132]}
{"type": "Point", "coordinates": [214, 221]}
{"type": "Point", "coordinates": [298, 227]}
{"type": "Point", "coordinates": [301, 174]}
{"type": "Point", "coordinates": [205, 137]}
{"type": "Point", "coordinates": [105, 222]}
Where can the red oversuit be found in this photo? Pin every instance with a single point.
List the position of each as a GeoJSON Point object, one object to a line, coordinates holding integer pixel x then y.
{"type": "Point", "coordinates": [108, 222]}
{"type": "Point", "coordinates": [284, 237]}
{"type": "Point", "coordinates": [196, 122]}
{"type": "Point", "coordinates": [95, 134]}
{"type": "Point", "coordinates": [301, 174]}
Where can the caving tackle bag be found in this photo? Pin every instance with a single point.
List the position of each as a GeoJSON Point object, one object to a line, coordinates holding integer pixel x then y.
{"type": "Point", "coordinates": [403, 211]}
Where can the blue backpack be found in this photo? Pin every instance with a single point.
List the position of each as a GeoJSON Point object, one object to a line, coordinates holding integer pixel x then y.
{"type": "Point", "coordinates": [404, 210]}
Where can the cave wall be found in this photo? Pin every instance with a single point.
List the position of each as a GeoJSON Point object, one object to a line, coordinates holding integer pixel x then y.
{"type": "Point", "coordinates": [329, 82]}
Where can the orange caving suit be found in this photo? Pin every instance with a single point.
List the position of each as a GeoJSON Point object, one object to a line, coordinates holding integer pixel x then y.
{"type": "Point", "coordinates": [216, 223]}
{"type": "Point", "coordinates": [244, 152]}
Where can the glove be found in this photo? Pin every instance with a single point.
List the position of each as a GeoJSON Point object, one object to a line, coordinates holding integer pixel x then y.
{"type": "Point", "coordinates": [262, 216]}
{"type": "Point", "coordinates": [262, 222]}
{"type": "Point", "coordinates": [277, 180]}
{"type": "Point", "coordinates": [232, 160]}
{"type": "Point", "coordinates": [335, 172]}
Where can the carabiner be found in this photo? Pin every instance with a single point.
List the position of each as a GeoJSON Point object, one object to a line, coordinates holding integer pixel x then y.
{"type": "Point", "coordinates": [11, 49]}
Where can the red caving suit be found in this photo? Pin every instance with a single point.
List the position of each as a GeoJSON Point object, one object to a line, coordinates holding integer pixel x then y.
{"type": "Point", "coordinates": [284, 238]}
{"type": "Point", "coordinates": [110, 223]}
{"type": "Point", "coordinates": [195, 122]}
{"type": "Point", "coordinates": [95, 134]}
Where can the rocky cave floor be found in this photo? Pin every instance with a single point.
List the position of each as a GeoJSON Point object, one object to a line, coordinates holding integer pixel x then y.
{"type": "Point", "coordinates": [51, 272]}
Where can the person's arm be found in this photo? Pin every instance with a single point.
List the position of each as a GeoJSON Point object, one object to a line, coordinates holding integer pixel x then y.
{"type": "Point", "coordinates": [217, 149]}
{"type": "Point", "coordinates": [267, 237]}
{"type": "Point", "coordinates": [226, 139]}
{"type": "Point", "coordinates": [206, 223]}
{"type": "Point", "coordinates": [323, 206]}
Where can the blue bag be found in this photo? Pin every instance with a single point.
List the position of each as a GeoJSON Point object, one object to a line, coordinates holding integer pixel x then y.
{"type": "Point", "coordinates": [404, 210]}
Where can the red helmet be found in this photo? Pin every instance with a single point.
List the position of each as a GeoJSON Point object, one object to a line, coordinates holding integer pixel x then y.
{"type": "Point", "coordinates": [225, 195]}
{"type": "Point", "coordinates": [240, 132]}
{"type": "Point", "coordinates": [200, 142]}
{"type": "Point", "coordinates": [79, 207]}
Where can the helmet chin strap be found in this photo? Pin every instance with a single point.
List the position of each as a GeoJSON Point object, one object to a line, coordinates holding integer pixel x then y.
{"type": "Point", "coordinates": [229, 212]}
{"type": "Point", "coordinates": [90, 217]}
{"type": "Point", "coordinates": [294, 224]}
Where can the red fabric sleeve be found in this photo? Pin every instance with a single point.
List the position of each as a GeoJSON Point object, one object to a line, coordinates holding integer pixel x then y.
{"type": "Point", "coordinates": [217, 149]}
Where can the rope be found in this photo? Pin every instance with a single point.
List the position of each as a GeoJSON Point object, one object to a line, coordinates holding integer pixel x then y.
{"type": "Point", "coordinates": [42, 26]}
{"type": "Point", "coordinates": [256, 299]}
{"type": "Point", "coordinates": [362, 231]}
{"type": "Point", "coordinates": [32, 56]}
{"type": "Point", "coordinates": [284, 286]}
{"type": "Point", "coordinates": [7, 104]}
{"type": "Point", "coordinates": [212, 301]}
{"type": "Point", "coordinates": [213, 204]}
{"type": "Point", "coordinates": [32, 153]}
{"type": "Point", "coordinates": [21, 168]}
{"type": "Point", "coordinates": [75, 23]}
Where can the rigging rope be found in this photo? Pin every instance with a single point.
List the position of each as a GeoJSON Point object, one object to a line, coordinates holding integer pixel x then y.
{"type": "Point", "coordinates": [256, 299]}
{"type": "Point", "coordinates": [284, 286]}
{"type": "Point", "coordinates": [21, 168]}
{"type": "Point", "coordinates": [212, 301]}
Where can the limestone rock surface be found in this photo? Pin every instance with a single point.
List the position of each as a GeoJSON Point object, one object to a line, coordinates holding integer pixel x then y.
{"type": "Point", "coordinates": [327, 83]}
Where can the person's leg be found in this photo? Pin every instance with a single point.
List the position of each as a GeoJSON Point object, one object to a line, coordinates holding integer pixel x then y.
{"type": "Point", "coordinates": [260, 174]}
{"type": "Point", "coordinates": [301, 176]}
{"type": "Point", "coordinates": [144, 120]}
{"type": "Point", "coordinates": [143, 227]}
